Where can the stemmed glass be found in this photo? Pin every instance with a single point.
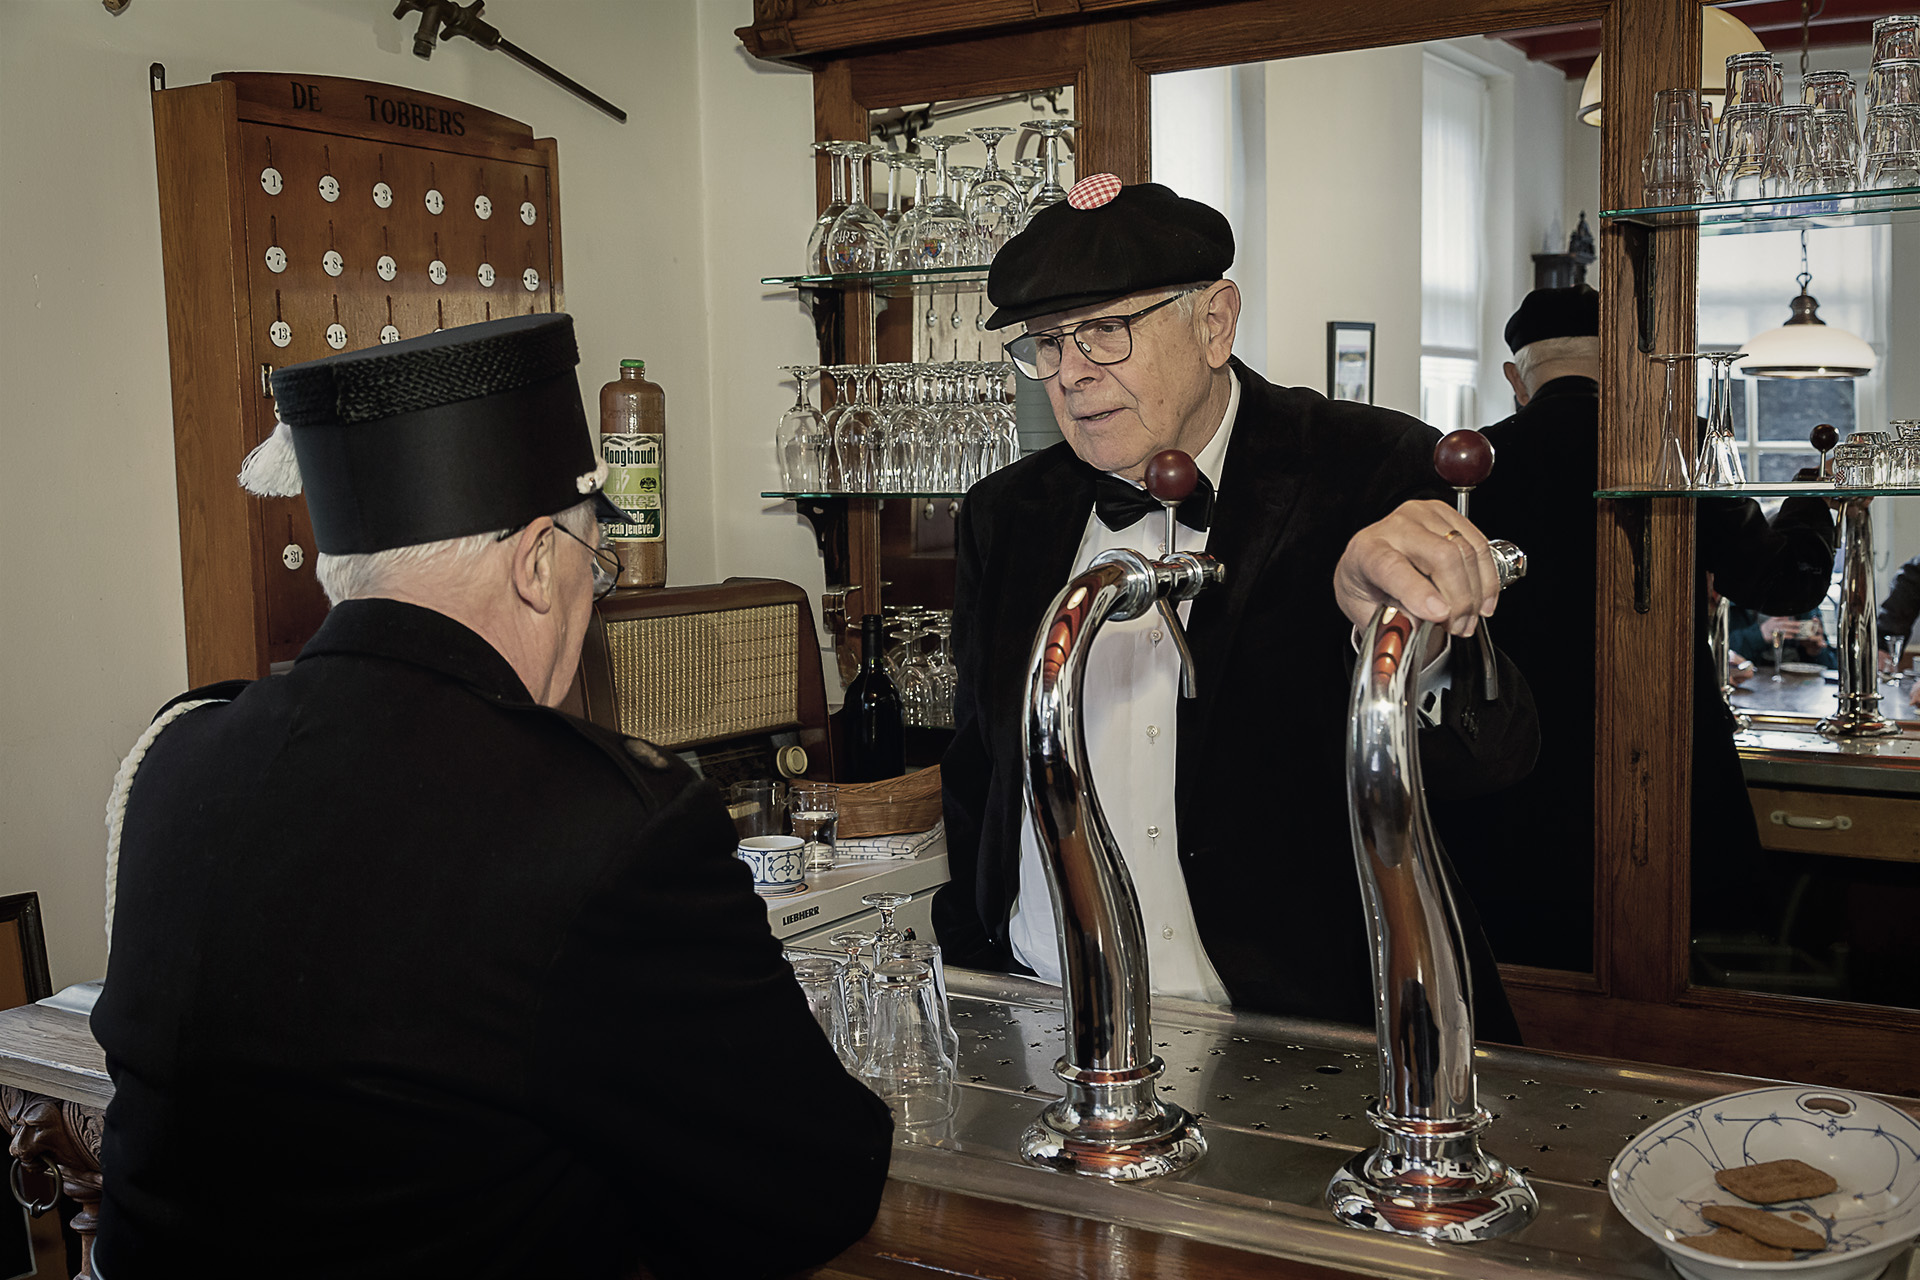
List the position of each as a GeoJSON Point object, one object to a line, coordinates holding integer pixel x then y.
{"type": "Point", "coordinates": [801, 442]}
{"type": "Point", "coordinates": [834, 377]}
{"type": "Point", "coordinates": [905, 427]}
{"type": "Point", "coordinates": [942, 236]}
{"type": "Point", "coordinates": [906, 232]}
{"type": "Point", "coordinates": [994, 203]}
{"type": "Point", "coordinates": [1671, 467]}
{"type": "Point", "coordinates": [1050, 131]}
{"type": "Point", "coordinates": [1720, 468]}
{"type": "Point", "coordinates": [856, 947]}
{"type": "Point", "coordinates": [891, 215]}
{"type": "Point", "coordinates": [836, 205]}
{"type": "Point", "coordinates": [1895, 646]}
{"type": "Point", "coordinates": [856, 432]}
{"type": "Point", "coordinates": [859, 239]}
{"type": "Point", "coordinates": [943, 675]}
{"type": "Point", "coordinates": [886, 937]}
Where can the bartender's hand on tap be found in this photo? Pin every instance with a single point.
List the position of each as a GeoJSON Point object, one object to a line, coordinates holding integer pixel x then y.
{"type": "Point", "coordinates": [1425, 558]}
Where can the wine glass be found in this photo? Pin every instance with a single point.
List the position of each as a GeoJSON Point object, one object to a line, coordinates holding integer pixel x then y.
{"type": "Point", "coordinates": [895, 162]}
{"type": "Point", "coordinates": [993, 204]}
{"type": "Point", "coordinates": [836, 205]}
{"type": "Point", "coordinates": [859, 239]}
{"type": "Point", "coordinates": [1720, 469]}
{"type": "Point", "coordinates": [801, 440]}
{"type": "Point", "coordinates": [1895, 646]}
{"type": "Point", "coordinates": [942, 236]}
{"type": "Point", "coordinates": [856, 947]}
{"type": "Point", "coordinates": [886, 937]}
{"type": "Point", "coordinates": [856, 432]}
{"type": "Point", "coordinates": [1671, 467]}
{"type": "Point", "coordinates": [907, 230]}
{"type": "Point", "coordinates": [834, 377]}
{"type": "Point", "coordinates": [1051, 132]}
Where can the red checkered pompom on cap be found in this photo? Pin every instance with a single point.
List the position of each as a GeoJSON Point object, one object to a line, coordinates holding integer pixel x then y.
{"type": "Point", "coordinates": [1093, 191]}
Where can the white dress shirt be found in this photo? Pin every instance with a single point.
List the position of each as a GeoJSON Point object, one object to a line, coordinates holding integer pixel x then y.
{"type": "Point", "coordinates": [1131, 712]}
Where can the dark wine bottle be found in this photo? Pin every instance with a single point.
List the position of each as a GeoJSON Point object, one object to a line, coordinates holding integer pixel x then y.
{"type": "Point", "coordinates": [876, 740]}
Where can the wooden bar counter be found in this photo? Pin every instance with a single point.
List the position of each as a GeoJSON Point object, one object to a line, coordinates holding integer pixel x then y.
{"type": "Point", "coordinates": [1283, 1102]}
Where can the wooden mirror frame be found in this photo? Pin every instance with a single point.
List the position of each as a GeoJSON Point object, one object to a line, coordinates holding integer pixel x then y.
{"type": "Point", "coordinates": [1638, 1003]}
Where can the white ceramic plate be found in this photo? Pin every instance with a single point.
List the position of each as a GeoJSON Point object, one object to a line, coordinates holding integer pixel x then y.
{"type": "Point", "coordinates": [1804, 668]}
{"type": "Point", "coordinates": [1660, 1180]}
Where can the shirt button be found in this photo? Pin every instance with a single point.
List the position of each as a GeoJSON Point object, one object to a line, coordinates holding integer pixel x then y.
{"type": "Point", "coordinates": [1163, 548]}
{"type": "Point", "coordinates": [1153, 731]}
{"type": "Point", "coordinates": [1166, 931]}
{"type": "Point", "coordinates": [1153, 833]}
{"type": "Point", "coordinates": [1154, 636]}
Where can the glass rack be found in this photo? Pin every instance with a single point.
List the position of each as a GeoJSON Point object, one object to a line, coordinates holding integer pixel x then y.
{"type": "Point", "coordinates": [1783, 489]}
{"type": "Point", "coordinates": [1785, 213]}
{"type": "Point", "coordinates": [868, 493]}
{"type": "Point", "coordinates": [884, 281]}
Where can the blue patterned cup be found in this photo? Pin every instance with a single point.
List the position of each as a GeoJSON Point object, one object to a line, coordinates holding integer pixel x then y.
{"type": "Point", "coordinates": [774, 860]}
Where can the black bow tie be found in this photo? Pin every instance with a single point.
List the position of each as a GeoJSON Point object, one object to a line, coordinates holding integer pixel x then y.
{"type": "Point", "coordinates": [1120, 503]}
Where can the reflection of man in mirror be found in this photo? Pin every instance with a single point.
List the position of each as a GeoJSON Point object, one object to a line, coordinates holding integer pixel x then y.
{"type": "Point", "coordinates": [1898, 613]}
{"type": "Point", "coordinates": [1532, 873]}
{"type": "Point", "coordinates": [1230, 808]}
{"type": "Point", "coordinates": [438, 952]}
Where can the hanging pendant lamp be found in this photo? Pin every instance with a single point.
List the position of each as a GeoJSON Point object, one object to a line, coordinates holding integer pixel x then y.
{"type": "Point", "coordinates": [1721, 36]}
{"type": "Point", "coordinates": [1806, 346]}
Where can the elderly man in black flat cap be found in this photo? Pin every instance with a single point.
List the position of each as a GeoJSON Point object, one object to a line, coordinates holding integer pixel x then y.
{"type": "Point", "coordinates": [1230, 809]}
{"type": "Point", "coordinates": [1529, 867]}
{"type": "Point", "coordinates": [453, 983]}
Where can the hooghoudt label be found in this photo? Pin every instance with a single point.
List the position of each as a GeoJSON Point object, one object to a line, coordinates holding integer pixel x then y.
{"type": "Point", "coordinates": [633, 482]}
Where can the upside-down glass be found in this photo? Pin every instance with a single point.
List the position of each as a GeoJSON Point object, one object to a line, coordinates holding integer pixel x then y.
{"type": "Point", "coordinates": [856, 431]}
{"type": "Point", "coordinates": [928, 953]}
{"type": "Point", "coordinates": [891, 215]}
{"type": "Point", "coordinates": [905, 1061]}
{"type": "Point", "coordinates": [941, 235]}
{"type": "Point", "coordinates": [1719, 466]}
{"type": "Point", "coordinates": [1753, 79]}
{"type": "Point", "coordinates": [994, 203]}
{"type": "Point", "coordinates": [886, 937]}
{"type": "Point", "coordinates": [1789, 166]}
{"type": "Point", "coordinates": [859, 239]}
{"type": "Point", "coordinates": [1050, 191]}
{"type": "Point", "coordinates": [1896, 36]}
{"type": "Point", "coordinates": [836, 205]}
{"type": "Point", "coordinates": [1744, 132]}
{"type": "Point", "coordinates": [1831, 91]}
{"type": "Point", "coordinates": [1894, 83]}
{"type": "Point", "coordinates": [1891, 148]}
{"type": "Point", "coordinates": [1672, 165]}
{"type": "Point", "coordinates": [1672, 467]}
{"type": "Point", "coordinates": [1834, 147]}
{"type": "Point", "coordinates": [801, 442]}
{"type": "Point", "coordinates": [854, 947]}
{"type": "Point", "coordinates": [821, 980]}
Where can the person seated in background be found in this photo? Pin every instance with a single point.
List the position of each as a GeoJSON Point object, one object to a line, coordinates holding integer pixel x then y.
{"type": "Point", "coordinates": [458, 984]}
{"type": "Point", "coordinates": [1799, 638]}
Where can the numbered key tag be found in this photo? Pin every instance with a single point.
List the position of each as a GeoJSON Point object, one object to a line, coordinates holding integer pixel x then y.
{"type": "Point", "coordinates": [329, 188]}
{"type": "Point", "coordinates": [527, 212]}
{"type": "Point", "coordinates": [276, 259]}
{"type": "Point", "coordinates": [482, 208]}
{"type": "Point", "coordinates": [435, 201]}
{"type": "Point", "coordinates": [531, 279]}
{"type": "Point", "coordinates": [387, 267]}
{"type": "Point", "coordinates": [292, 556]}
{"type": "Point", "coordinates": [281, 332]}
{"type": "Point", "coordinates": [389, 334]}
{"type": "Point", "coordinates": [486, 275]}
{"type": "Point", "coordinates": [437, 271]}
{"type": "Point", "coordinates": [271, 182]}
{"type": "Point", "coordinates": [337, 336]}
{"type": "Point", "coordinates": [382, 195]}
{"type": "Point", "coordinates": [332, 263]}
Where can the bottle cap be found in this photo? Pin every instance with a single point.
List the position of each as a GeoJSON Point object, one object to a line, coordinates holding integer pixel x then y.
{"type": "Point", "coordinates": [641, 365]}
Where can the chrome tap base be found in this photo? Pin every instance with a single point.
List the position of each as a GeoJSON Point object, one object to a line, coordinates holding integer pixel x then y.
{"type": "Point", "coordinates": [1859, 723]}
{"type": "Point", "coordinates": [1113, 1128]}
{"type": "Point", "coordinates": [1858, 713]}
{"type": "Point", "coordinates": [1441, 1188]}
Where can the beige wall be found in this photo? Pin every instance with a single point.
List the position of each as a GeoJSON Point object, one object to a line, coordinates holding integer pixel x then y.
{"type": "Point", "coordinates": [670, 220]}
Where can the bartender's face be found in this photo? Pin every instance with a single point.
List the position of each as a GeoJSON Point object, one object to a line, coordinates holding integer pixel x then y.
{"type": "Point", "coordinates": [1166, 395]}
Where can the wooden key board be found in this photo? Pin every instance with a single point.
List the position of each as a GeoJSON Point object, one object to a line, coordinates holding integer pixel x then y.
{"type": "Point", "coordinates": [300, 216]}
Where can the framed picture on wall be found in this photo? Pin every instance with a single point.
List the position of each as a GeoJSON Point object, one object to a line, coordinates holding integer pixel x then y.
{"type": "Point", "coordinates": [1350, 360]}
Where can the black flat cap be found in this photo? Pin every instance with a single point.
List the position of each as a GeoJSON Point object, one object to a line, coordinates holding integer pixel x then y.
{"type": "Point", "coordinates": [1105, 241]}
{"type": "Point", "coordinates": [1554, 313]}
{"type": "Point", "coordinates": [469, 430]}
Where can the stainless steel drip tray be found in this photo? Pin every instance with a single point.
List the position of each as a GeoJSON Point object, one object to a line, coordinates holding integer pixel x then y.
{"type": "Point", "coordinates": [1283, 1102]}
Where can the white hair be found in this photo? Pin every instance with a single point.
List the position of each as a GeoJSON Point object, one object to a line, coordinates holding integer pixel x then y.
{"type": "Point", "coordinates": [1538, 355]}
{"type": "Point", "coordinates": [356, 577]}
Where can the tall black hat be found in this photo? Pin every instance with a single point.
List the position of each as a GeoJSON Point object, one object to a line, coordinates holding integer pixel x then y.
{"type": "Point", "coordinates": [469, 430]}
{"type": "Point", "coordinates": [1106, 240]}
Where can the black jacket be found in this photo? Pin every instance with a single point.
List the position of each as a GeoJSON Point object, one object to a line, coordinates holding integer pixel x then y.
{"type": "Point", "coordinates": [456, 985]}
{"type": "Point", "coordinates": [1261, 785]}
{"type": "Point", "coordinates": [1902, 605]}
{"type": "Point", "coordinates": [1532, 871]}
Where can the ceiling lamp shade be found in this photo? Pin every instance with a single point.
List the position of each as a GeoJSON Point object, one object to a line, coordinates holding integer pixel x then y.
{"type": "Point", "coordinates": [1806, 347]}
{"type": "Point", "coordinates": [1721, 36]}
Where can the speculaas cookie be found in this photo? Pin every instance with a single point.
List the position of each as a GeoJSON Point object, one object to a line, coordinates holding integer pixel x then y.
{"type": "Point", "coordinates": [1767, 1228]}
{"type": "Point", "coordinates": [1725, 1242]}
{"type": "Point", "coordinates": [1776, 1180]}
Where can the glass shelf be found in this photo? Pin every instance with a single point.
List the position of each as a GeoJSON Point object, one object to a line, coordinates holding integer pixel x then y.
{"type": "Point", "coordinates": [1783, 489]}
{"type": "Point", "coordinates": [842, 493]}
{"type": "Point", "coordinates": [1739, 217]}
{"type": "Point", "coordinates": [884, 281]}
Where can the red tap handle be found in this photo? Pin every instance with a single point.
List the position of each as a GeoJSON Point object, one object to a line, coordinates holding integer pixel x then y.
{"type": "Point", "coordinates": [1171, 476]}
{"type": "Point", "coordinates": [1463, 458]}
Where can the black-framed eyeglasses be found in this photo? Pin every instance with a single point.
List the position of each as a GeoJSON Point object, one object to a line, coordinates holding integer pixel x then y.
{"type": "Point", "coordinates": [1103, 340]}
{"type": "Point", "coordinates": [606, 565]}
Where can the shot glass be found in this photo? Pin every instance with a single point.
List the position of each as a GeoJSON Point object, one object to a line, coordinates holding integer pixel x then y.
{"type": "Point", "coordinates": [815, 815]}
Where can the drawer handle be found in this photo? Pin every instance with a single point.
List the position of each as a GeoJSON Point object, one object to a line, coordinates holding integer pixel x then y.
{"type": "Point", "coordinates": [1781, 818]}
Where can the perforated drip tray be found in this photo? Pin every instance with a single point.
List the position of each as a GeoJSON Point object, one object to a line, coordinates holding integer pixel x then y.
{"type": "Point", "coordinates": [1284, 1103]}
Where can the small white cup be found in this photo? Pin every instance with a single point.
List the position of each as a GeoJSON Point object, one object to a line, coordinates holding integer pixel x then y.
{"type": "Point", "coordinates": [775, 861]}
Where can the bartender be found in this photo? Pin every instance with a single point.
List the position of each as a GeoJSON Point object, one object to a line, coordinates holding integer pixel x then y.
{"type": "Point", "coordinates": [456, 984]}
{"type": "Point", "coordinates": [1230, 809]}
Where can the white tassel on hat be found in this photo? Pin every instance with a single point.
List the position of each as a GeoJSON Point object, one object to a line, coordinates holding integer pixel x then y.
{"type": "Point", "coordinates": [272, 470]}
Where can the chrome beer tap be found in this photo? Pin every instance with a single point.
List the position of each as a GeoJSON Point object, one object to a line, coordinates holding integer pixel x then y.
{"type": "Point", "coordinates": [1111, 1123]}
{"type": "Point", "coordinates": [1428, 1176]}
{"type": "Point", "coordinates": [1857, 714]}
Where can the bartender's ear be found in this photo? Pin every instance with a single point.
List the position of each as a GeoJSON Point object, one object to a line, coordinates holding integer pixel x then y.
{"type": "Point", "coordinates": [1219, 316]}
{"type": "Point", "coordinates": [1514, 380]}
{"type": "Point", "coordinates": [532, 566]}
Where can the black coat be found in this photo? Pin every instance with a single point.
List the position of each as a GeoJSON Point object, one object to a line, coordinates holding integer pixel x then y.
{"type": "Point", "coordinates": [445, 983]}
{"type": "Point", "coordinates": [1532, 871]}
{"type": "Point", "coordinates": [1261, 784]}
{"type": "Point", "coordinates": [1902, 605]}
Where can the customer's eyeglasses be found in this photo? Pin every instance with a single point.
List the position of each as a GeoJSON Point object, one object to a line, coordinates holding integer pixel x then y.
{"type": "Point", "coordinates": [606, 565]}
{"type": "Point", "coordinates": [1103, 340]}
